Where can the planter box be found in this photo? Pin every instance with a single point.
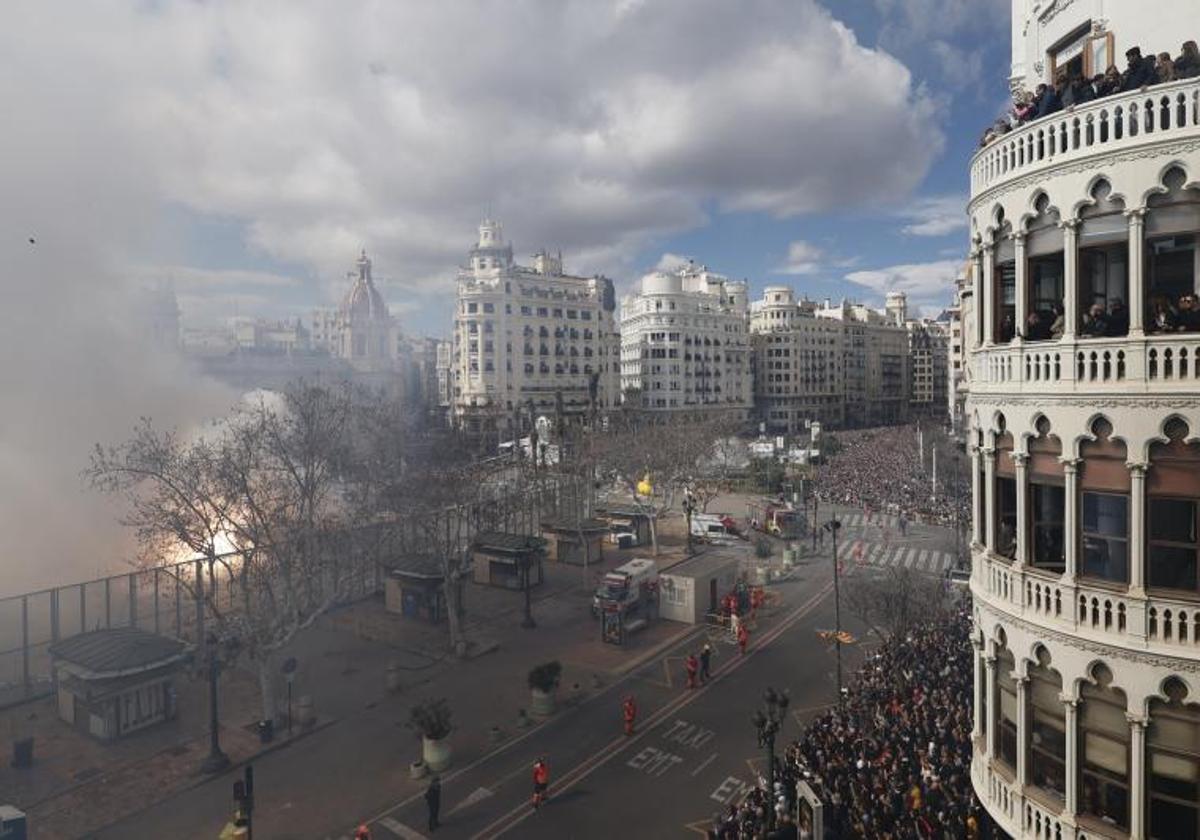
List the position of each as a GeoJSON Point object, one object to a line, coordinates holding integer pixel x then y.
{"type": "Point", "coordinates": [542, 703]}
{"type": "Point", "coordinates": [436, 753]}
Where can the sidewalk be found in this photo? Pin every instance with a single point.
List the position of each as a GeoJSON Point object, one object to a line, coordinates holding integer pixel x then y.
{"type": "Point", "coordinates": [78, 785]}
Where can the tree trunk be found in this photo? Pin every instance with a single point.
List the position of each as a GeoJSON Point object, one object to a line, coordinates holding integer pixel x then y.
{"type": "Point", "coordinates": [450, 589]}
{"type": "Point", "coordinates": [653, 534]}
{"type": "Point", "coordinates": [266, 686]}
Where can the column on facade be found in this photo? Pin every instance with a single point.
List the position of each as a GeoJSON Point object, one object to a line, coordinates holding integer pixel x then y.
{"type": "Point", "coordinates": [1071, 518]}
{"type": "Point", "coordinates": [989, 511]}
{"type": "Point", "coordinates": [976, 487]}
{"type": "Point", "coordinates": [1137, 288]}
{"type": "Point", "coordinates": [987, 300]}
{"type": "Point", "coordinates": [978, 687]}
{"type": "Point", "coordinates": [989, 685]}
{"type": "Point", "coordinates": [1137, 529]}
{"type": "Point", "coordinates": [976, 335]}
{"type": "Point", "coordinates": [1070, 277]}
{"type": "Point", "coordinates": [1021, 298]}
{"type": "Point", "coordinates": [1071, 723]}
{"type": "Point", "coordinates": [1023, 733]}
{"type": "Point", "coordinates": [1137, 776]}
{"type": "Point", "coordinates": [1020, 460]}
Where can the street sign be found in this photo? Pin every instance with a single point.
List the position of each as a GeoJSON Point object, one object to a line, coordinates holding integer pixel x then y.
{"type": "Point", "coordinates": [289, 668]}
{"type": "Point", "coordinates": [810, 819]}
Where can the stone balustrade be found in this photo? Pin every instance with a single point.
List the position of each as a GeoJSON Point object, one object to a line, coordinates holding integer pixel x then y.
{"type": "Point", "coordinates": [1106, 125]}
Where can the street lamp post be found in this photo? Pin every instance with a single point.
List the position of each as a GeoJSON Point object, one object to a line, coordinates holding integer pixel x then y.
{"type": "Point", "coordinates": [832, 527]}
{"type": "Point", "coordinates": [217, 760]}
{"type": "Point", "coordinates": [689, 507]}
{"type": "Point", "coordinates": [768, 720]}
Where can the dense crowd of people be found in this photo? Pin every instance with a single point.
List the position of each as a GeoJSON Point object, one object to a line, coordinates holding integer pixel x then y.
{"type": "Point", "coordinates": [1071, 89]}
{"type": "Point", "coordinates": [882, 470]}
{"type": "Point", "coordinates": [893, 761]}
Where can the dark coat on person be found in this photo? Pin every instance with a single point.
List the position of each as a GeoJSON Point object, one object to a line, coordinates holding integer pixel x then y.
{"type": "Point", "coordinates": [1187, 65]}
{"type": "Point", "coordinates": [1139, 74]}
{"type": "Point", "coordinates": [1049, 102]}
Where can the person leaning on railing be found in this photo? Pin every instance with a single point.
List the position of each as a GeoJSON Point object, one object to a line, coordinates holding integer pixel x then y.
{"type": "Point", "coordinates": [1067, 92]}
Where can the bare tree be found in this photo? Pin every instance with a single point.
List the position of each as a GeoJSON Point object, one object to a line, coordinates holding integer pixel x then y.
{"type": "Point", "coordinates": [715, 467]}
{"type": "Point", "coordinates": [892, 602]}
{"type": "Point", "coordinates": [263, 498]}
{"type": "Point", "coordinates": [637, 447]}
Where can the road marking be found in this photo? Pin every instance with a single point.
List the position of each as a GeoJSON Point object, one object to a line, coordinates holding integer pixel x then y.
{"type": "Point", "coordinates": [521, 812]}
{"type": "Point", "coordinates": [653, 761]}
{"type": "Point", "coordinates": [897, 557]}
{"type": "Point", "coordinates": [401, 830]}
{"type": "Point", "coordinates": [478, 795]}
{"type": "Point", "coordinates": [908, 561]}
{"type": "Point", "coordinates": [947, 559]}
{"type": "Point", "coordinates": [731, 788]}
{"type": "Point", "coordinates": [707, 762]}
{"type": "Point", "coordinates": [923, 558]}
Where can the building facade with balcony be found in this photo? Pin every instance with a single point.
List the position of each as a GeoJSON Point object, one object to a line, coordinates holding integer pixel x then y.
{"type": "Point", "coordinates": [798, 360]}
{"type": "Point", "coordinates": [957, 370]}
{"type": "Point", "coordinates": [528, 335]}
{"type": "Point", "coordinates": [875, 364]}
{"type": "Point", "coordinates": [685, 344]}
{"type": "Point", "coordinates": [929, 356]}
{"type": "Point", "coordinates": [1084, 433]}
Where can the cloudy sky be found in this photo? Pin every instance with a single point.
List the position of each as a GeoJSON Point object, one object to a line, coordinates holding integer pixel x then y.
{"type": "Point", "coordinates": [782, 140]}
{"type": "Point", "coordinates": [246, 151]}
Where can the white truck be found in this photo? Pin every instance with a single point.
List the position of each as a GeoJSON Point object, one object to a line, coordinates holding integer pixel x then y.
{"type": "Point", "coordinates": [624, 586]}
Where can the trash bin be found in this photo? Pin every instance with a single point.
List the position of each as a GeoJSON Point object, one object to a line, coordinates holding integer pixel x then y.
{"type": "Point", "coordinates": [22, 752]}
{"type": "Point", "coordinates": [266, 731]}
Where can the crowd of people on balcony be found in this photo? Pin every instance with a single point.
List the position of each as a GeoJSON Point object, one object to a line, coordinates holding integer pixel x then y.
{"type": "Point", "coordinates": [892, 762]}
{"type": "Point", "coordinates": [1099, 321]}
{"type": "Point", "coordinates": [1068, 91]}
{"type": "Point", "coordinates": [882, 470]}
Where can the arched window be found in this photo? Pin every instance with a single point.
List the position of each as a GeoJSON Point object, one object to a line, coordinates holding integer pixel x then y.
{"type": "Point", "coordinates": [1173, 766]}
{"type": "Point", "coordinates": [1103, 265]}
{"type": "Point", "coordinates": [1103, 750]}
{"type": "Point", "coordinates": [1104, 506]}
{"type": "Point", "coordinates": [1047, 728]}
{"type": "Point", "coordinates": [1006, 497]}
{"type": "Point", "coordinates": [1004, 280]}
{"type": "Point", "coordinates": [1173, 511]}
{"type": "Point", "coordinates": [1044, 272]}
{"type": "Point", "coordinates": [1172, 228]}
{"type": "Point", "coordinates": [1047, 500]}
{"type": "Point", "coordinates": [1006, 709]}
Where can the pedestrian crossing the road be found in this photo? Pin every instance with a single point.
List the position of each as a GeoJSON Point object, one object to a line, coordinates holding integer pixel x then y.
{"type": "Point", "coordinates": [853, 551]}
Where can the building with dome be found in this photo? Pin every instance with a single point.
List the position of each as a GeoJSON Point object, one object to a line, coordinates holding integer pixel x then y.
{"type": "Point", "coordinates": [1084, 431]}
{"type": "Point", "coordinates": [360, 331]}
{"type": "Point", "coordinates": [528, 336]}
{"type": "Point", "coordinates": [685, 344]}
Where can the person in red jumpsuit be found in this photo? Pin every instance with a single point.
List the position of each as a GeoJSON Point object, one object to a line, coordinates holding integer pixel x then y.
{"type": "Point", "coordinates": [629, 713]}
{"type": "Point", "coordinates": [691, 665]}
{"type": "Point", "coordinates": [743, 637]}
{"type": "Point", "coordinates": [541, 781]}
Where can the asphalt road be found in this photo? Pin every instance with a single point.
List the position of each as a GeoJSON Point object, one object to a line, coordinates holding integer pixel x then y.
{"type": "Point", "coordinates": [693, 752]}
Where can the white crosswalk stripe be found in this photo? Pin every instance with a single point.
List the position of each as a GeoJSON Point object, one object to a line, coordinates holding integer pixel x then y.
{"type": "Point", "coordinates": [400, 829]}
{"type": "Point", "coordinates": [947, 561]}
{"type": "Point", "coordinates": [924, 556]}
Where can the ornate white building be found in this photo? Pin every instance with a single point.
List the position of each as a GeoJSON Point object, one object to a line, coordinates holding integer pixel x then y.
{"type": "Point", "coordinates": [528, 334]}
{"type": "Point", "coordinates": [1085, 441]}
{"type": "Point", "coordinates": [844, 365]}
{"type": "Point", "coordinates": [685, 343]}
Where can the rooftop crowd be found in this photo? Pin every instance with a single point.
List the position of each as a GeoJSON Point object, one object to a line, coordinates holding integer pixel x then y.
{"type": "Point", "coordinates": [881, 470]}
{"type": "Point", "coordinates": [1069, 90]}
{"type": "Point", "coordinates": [893, 763]}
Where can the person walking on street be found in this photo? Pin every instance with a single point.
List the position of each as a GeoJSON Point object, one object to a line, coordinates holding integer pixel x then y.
{"type": "Point", "coordinates": [735, 623]}
{"type": "Point", "coordinates": [743, 637]}
{"type": "Point", "coordinates": [691, 665]}
{"type": "Point", "coordinates": [541, 781]}
{"type": "Point", "coordinates": [433, 801]}
{"type": "Point", "coordinates": [706, 653]}
{"type": "Point", "coordinates": [362, 833]}
{"type": "Point", "coordinates": [629, 713]}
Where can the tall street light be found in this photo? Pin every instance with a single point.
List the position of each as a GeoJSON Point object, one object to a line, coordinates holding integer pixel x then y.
{"type": "Point", "coordinates": [217, 760]}
{"type": "Point", "coordinates": [832, 527]}
{"type": "Point", "coordinates": [768, 720]}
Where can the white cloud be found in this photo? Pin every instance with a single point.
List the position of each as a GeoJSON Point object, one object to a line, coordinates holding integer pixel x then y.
{"type": "Point", "coordinates": [931, 282]}
{"type": "Point", "coordinates": [803, 258]}
{"type": "Point", "coordinates": [670, 262]}
{"type": "Point", "coordinates": [934, 215]}
{"type": "Point", "coordinates": [322, 130]}
{"type": "Point", "coordinates": [909, 22]}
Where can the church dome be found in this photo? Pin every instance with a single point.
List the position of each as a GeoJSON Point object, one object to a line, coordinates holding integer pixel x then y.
{"type": "Point", "coordinates": [363, 302]}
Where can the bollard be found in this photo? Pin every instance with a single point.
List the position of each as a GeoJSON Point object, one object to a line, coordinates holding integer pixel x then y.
{"type": "Point", "coordinates": [392, 677]}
